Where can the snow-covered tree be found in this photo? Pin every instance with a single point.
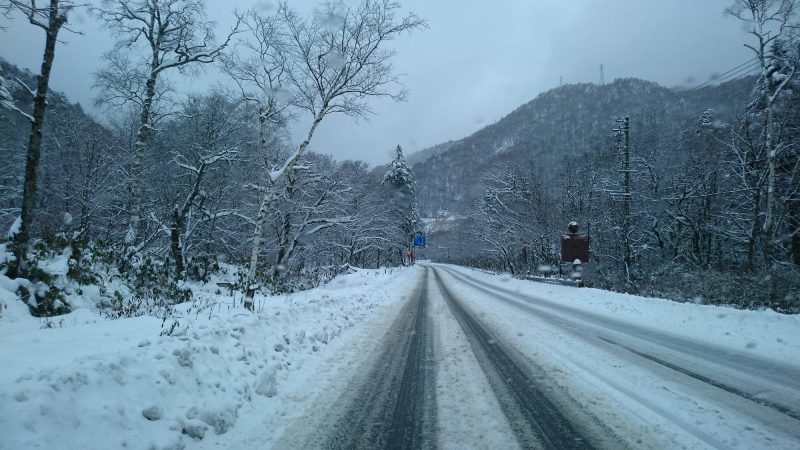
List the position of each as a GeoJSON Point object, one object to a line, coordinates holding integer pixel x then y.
{"type": "Point", "coordinates": [313, 201]}
{"type": "Point", "coordinates": [80, 163]}
{"type": "Point", "coordinates": [51, 17]}
{"type": "Point", "coordinates": [211, 133]}
{"type": "Point", "coordinates": [259, 65]}
{"type": "Point", "coordinates": [400, 181]}
{"type": "Point", "coordinates": [514, 219]}
{"type": "Point", "coordinates": [771, 22]}
{"type": "Point", "coordinates": [369, 239]}
{"type": "Point", "coordinates": [171, 35]}
{"type": "Point", "coordinates": [337, 61]}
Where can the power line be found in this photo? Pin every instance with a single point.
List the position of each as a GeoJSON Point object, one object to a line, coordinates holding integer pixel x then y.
{"type": "Point", "coordinates": [736, 73]}
{"type": "Point", "coordinates": [653, 111]}
{"type": "Point", "coordinates": [740, 71]}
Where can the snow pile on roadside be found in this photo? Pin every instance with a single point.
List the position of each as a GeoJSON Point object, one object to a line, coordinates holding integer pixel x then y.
{"type": "Point", "coordinates": [63, 289]}
{"type": "Point", "coordinates": [765, 333]}
{"type": "Point", "coordinates": [95, 383]}
{"type": "Point", "coordinates": [8, 287]}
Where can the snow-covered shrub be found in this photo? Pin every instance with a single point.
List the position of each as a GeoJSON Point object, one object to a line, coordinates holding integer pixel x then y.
{"type": "Point", "coordinates": [151, 279]}
{"type": "Point", "coordinates": [308, 278]}
{"type": "Point", "coordinates": [739, 289]}
{"type": "Point", "coordinates": [240, 278]}
{"type": "Point", "coordinates": [81, 264]}
{"type": "Point", "coordinates": [6, 257]}
{"type": "Point", "coordinates": [127, 307]}
{"type": "Point", "coordinates": [200, 268]}
{"type": "Point", "coordinates": [44, 300]}
{"type": "Point", "coordinates": [145, 276]}
{"type": "Point", "coordinates": [43, 292]}
{"type": "Point", "coordinates": [123, 308]}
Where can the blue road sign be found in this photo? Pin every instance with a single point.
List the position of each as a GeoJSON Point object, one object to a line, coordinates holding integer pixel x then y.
{"type": "Point", "coordinates": [420, 241]}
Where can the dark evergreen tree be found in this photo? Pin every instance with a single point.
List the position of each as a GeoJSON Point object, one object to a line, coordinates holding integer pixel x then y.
{"type": "Point", "coordinates": [404, 200]}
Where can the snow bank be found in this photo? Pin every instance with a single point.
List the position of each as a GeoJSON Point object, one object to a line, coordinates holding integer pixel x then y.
{"type": "Point", "coordinates": [92, 383]}
{"type": "Point", "coordinates": [58, 265]}
{"type": "Point", "coordinates": [11, 310]}
{"type": "Point", "coordinates": [765, 333]}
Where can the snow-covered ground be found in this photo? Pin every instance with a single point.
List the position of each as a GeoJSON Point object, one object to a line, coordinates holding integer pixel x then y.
{"type": "Point", "coordinates": [649, 404]}
{"type": "Point", "coordinates": [232, 379]}
{"type": "Point", "coordinates": [225, 378]}
{"type": "Point", "coordinates": [764, 333]}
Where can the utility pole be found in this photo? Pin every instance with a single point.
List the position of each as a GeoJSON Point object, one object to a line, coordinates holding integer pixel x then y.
{"type": "Point", "coordinates": [602, 76]}
{"type": "Point", "coordinates": [624, 139]}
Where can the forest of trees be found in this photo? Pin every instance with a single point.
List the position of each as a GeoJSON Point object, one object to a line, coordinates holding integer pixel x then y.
{"type": "Point", "coordinates": [713, 209]}
{"type": "Point", "coordinates": [171, 185]}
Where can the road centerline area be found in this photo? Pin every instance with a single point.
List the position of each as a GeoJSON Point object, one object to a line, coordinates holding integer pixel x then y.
{"type": "Point", "coordinates": [393, 405]}
{"type": "Point", "coordinates": [466, 362]}
{"type": "Point", "coordinates": [535, 419]}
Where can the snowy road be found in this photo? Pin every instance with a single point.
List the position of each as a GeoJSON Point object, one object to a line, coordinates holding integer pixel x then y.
{"type": "Point", "coordinates": [392, 405]}
{"type": "Point", "coordinates": [769, 383]}
{"type": "Point", "coordinates": [536, 420]}
{"type": "Point", "coordinates": [430, 356]}
{"type": "Point", "coordinates": [692, 393]}
{"type": "Point", "coordinates": [469, 362]}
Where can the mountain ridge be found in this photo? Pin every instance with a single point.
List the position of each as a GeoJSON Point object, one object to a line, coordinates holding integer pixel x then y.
{"type": "Point", "coordinates": [561, 125]}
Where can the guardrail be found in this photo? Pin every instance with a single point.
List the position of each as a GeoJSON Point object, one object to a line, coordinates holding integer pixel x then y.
{"type": "Point", "coordinates": [551, 280]}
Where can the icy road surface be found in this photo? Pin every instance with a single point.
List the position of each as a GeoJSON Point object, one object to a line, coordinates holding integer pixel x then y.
{"type": "Point", "coordinates": [517, 370]}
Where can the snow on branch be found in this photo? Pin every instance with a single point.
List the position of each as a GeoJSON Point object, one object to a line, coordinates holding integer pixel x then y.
{"type": "Point", "coordinates": [176, 32]}
{"type": "Point", "coordinates": [7, 100]}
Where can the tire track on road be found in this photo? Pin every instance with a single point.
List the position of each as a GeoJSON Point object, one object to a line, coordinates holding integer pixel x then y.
{"type": "Point", "coordinates": [394, 405]}
{"type": "Point", "coordinates": [773, 415]}
{"type": "Point", "coordinates": [783, 375]}
{"type": "Point", "coordinates": [772, 370]}
{"type": "Point", "coordinates": [707, 380]}
{"type": "Point", "coordinates": [535, 419]}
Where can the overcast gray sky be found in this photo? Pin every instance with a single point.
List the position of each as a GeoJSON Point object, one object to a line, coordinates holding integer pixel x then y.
{"type": "Point", "coordinates": [478, 61]}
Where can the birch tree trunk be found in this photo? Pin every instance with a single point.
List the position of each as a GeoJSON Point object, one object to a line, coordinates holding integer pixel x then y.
{"type": "Point", "coordinates": [176, 243]}
{"type": "Point", "coordinates": [56, 21]}
{"type": "Point", "coordinates": [266, 205]}
{"type": "Point", "coordinates": [137, 190]}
